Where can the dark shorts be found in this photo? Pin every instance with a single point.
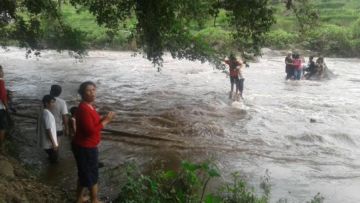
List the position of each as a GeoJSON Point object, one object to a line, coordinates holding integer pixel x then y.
{"type": "Point", "coordinates": [3, 120]}
{"type": "Point", "coordinates": [234, 80]}
{"type": "Point", "coordinates": [87, 165]}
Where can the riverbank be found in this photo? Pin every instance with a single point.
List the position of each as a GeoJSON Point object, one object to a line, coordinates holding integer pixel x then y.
{"type": "Point", "coordinates": [18, 183]}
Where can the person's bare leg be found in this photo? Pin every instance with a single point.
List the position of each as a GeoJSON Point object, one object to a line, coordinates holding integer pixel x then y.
{"type": "Point", "coordinates": [237, 91]}
{"type": "Point", "coordinates": [80, 191]}
{"type": "Point", "coordinates": [94, 193]}
{"type": "Point", "coordinates": [231, 91]}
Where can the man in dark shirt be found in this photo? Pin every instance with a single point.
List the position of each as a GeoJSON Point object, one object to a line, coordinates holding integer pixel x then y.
{"type": "Point", "coordinates": [289, 68]}
{"type": "Point", "coordinates": [311, 69]}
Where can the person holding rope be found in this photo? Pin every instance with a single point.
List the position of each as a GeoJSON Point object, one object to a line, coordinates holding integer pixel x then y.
{"type": "Point", "coordinates": [86, 140]}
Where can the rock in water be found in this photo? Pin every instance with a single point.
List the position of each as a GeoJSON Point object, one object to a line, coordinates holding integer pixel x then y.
{"type": "Point", "coordinates": [312, 120]}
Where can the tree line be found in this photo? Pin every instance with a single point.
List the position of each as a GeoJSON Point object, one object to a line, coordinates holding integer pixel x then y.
{"type": "Point", "coordinates": [160, 25]}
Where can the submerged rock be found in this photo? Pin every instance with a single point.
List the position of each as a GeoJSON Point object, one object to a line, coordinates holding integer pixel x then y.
{"type": "Point", "coordinates": [313, 120]}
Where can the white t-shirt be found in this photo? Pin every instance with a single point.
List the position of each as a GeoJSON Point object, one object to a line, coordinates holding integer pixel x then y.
{"type": "Point", "coordinates": [47, 121]}
{"type": "Point", "coordinates": [59, 110]}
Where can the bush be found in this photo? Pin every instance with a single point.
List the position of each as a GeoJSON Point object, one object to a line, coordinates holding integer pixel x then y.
{"type": "Point", "coordinates": [355, 45]}
{"type": "Point", "coordinates": [187, 185]}
{"type": "Point", "coordinates": [238, 192]}
{"type": "Point", "coordinates": [280, 39]}
{"type": "Point", "coordinates": [216, 37]}
{"type": "Point", "coordinates": [329, 39]}
{"type": "Point", "coordinates": [355, 28]}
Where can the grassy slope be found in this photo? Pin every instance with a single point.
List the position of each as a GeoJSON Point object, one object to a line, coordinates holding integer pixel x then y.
{"type": "Point", "coordinates": [96, 35]}
{"type": "Point", "coordinates": [337, 12]}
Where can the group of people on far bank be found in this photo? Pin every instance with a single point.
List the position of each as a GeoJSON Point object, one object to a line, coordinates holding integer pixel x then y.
{"type": "Point", "coordinates": [82, 127]}
{"type": "Point", "coordinates": [296, 69]}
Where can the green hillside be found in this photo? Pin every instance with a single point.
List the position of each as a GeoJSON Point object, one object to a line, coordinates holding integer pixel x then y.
{"type": "Point", "coordinates": [337, 33]}
{"type": "Point", "coordinates": [336, 12]}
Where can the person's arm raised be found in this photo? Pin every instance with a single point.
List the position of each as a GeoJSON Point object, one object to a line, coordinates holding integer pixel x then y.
{"type": "Point", "coordinates": [108, 118]}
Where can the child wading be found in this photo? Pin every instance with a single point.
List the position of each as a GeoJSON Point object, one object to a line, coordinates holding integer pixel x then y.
{"type": "Point", "coordinates": [47, 129]}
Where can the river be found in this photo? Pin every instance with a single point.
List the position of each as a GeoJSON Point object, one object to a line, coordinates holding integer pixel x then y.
{"type": "Point", "coordinates": [305, 133]}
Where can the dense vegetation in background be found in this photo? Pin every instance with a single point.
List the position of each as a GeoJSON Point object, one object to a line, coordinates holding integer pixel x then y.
{"type": "Point", "coordinates": [336, 32]}
{"type": "Point", "coordinates": [205, 30]}
{"type": "Point", "coordinates": [149, 26]}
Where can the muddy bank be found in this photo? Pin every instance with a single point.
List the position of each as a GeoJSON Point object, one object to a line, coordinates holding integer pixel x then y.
{"type": "Point", "coordinates": [19, 183]}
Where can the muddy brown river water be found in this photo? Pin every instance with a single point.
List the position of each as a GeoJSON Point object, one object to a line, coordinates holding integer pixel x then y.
{"type": "Point", "coordinates": [184, 113]}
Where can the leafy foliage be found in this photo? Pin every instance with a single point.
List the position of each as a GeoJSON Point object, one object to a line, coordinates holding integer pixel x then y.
{"type": "Point", "coordinates": [306, 14]}
{"type": "Point", "coordinates": [331, 27]}
{"type": "Point", "coordinates": [187, 185]}
{"type": "Point", "coordinates": [250, 24]}
{"type": "Point", "coordinates": [280, 39]}
{"type": "Point", "coordinates": [330, 39]}
{"type": "Point", "coordinates": [38, 25]}
{"type": "Point", "coordinates": [160, 25]}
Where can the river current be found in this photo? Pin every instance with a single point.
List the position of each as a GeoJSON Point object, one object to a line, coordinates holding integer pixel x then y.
{"type": "Point", "coordinates": [305, 133]}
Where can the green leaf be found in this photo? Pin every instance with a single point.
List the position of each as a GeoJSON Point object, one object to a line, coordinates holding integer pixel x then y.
{"type": "Point", "coordinates": [170, 174]}
{"type": "Point", "coordinates": [213, 173]}
{"type": "Point", "coordinates": [190, 166]}
{"type": "Point", "coordinates": [212, 199]}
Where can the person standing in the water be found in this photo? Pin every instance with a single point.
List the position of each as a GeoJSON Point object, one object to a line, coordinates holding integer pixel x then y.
{"type": "Point", "coordinates": [86, 140]}
{"type": "Point", "coordinates": [289, 68]}
{"type": "Point", "coordinates": [234, 67]}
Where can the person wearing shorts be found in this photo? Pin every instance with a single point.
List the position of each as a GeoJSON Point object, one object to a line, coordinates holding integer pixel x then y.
{"type": "Point", "coordinates": [86, 140]}
{"type": "Point", "coordinates": [234, 74]}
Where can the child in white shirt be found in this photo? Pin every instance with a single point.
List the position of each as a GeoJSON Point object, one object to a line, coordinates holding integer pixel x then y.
{"type": "Point", "coordinates": [47, 132]}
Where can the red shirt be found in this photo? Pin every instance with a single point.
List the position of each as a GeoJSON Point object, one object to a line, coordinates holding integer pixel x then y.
{"type": "Point", "coordinates": [3, 93]}
{"type": "Point", "coordinates": [297, 63]}
{"type": "Point", "coordinates": [234, 72]}
{"type": "Point", "coordinates": [88, 126]}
